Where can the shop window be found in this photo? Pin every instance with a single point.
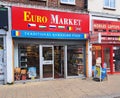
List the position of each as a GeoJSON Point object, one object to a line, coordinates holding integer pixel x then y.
{"type": "Point", "coordinates": [106, 54]}
{"type": "Point", "coordinates": [110, 4]}
{"type": "Point", "coordinates": [75, 64]}
{"type": "Point", "coordinates": [1, 43]}
{"type": "Point", "coordinates": [116, 59]}
{"type": "Point", "coordinates": [72, 2]}
{"type": "Point", "coordinates": [28, 67]}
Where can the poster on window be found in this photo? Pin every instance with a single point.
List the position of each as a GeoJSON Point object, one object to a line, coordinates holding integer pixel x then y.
{"type": "Point", "coordinates": [32, 72]}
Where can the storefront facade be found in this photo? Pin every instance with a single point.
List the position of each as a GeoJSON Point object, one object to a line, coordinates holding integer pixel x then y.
{"type": "Point", "coordinates": [49, 44]}
{"type": "Point", "coordinates": [105, 40]}
{"type": "Point", "coordinates": [5, 46]}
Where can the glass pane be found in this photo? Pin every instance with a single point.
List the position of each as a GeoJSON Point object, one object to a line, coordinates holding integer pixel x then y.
{"type": "Point", "coordinates": [116, 59]}
{"type": "Point", "coordinates": [1, 60]}
{"type": "Point", "coordinates": [106, 3]}
{"type": "Point", "coordinates": [112, 3]}
{"type": "Point", "coordinates": [75, 57]}
{"type": "Point", "coordinates": [47, 71]}
{"type": "Point", "coordinates": [107, 57]}
{"type": "Point", "coordinates": [64, 0]}
{"type": "Point", "coordinates": [28, 68]}
{"type": "Point", "coordinates": [96, 53]}
{"type": "Point", "coordinates": [58, 61]}
{"type": "Point", "coordinates": [1, 43]}
{"type": "Point", "coordinates": [71, 1]}
{"type": "Point", "coordinates": [47, 53]}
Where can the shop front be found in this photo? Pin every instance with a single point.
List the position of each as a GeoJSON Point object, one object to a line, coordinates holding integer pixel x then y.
{"type": "Point", "coordinates": [106, 44]}
{"type": "Point", "coordinates": [3, 35]}
{"type": "Point", "coordinates": [48, 44]}
{"type": "Point", "coordinates": [2, 56]}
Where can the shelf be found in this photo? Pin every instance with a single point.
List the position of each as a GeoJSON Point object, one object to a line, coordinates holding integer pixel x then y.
{"type": "Point", "coordinates": [80, 64]}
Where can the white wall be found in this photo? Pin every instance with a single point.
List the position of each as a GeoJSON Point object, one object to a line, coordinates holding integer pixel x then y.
{"type": "Point", "coordinates": [9, 50]}
{"type": "Point", "coordinates": [98, 6]}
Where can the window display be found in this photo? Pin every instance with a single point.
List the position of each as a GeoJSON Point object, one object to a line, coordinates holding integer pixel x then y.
{"type": "Point", "coordinates": [28, 56]}
{"type": "Point", "coordinates": [75, 61]}
{"type": "Point", "coordinates": [117, 59]}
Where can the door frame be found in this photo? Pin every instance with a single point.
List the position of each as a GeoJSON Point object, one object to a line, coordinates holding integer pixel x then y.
{"type": "Point", "coordinates": [41, 61]}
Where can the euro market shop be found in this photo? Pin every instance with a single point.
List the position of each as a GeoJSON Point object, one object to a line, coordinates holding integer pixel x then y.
{"type": "Point", "coordinates": [54, 47]}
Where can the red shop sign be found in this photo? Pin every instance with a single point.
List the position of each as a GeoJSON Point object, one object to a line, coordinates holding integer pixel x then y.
{"type": "Point", "coordinates": [46, 20]}
{"type": "Point", "coordinates": [106, 27]}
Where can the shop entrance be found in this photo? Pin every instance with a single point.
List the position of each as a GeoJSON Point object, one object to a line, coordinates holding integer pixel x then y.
{"type": "Point", "coordinates": [107, 58]}
{"type": "Point", "coordinates": [52, 61]}
{"type": "Point", "coordinates": [105, 53]}
{"type": "Point", "coordinates": [58, 62]}
{"type": "Point", "coordinates": [47, 61]}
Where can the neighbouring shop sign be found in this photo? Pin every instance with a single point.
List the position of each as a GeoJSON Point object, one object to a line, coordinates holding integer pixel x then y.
{"type": "Point", "coordinates": [96, 48]}
{"type": "Point", "coordinates": [46, 20]}
{"type": "Point", "coordinates": [109, 31]}
{"type": "Point", "coordinates": [95, 38]}
{"type": "Point", "coordinates": [106, 27]}
{"type": "Point", "coordinates": [111, 39]}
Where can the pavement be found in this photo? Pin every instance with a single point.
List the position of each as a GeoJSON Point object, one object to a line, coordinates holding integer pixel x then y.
{"type": "Point", "coordinates": [64, 88]}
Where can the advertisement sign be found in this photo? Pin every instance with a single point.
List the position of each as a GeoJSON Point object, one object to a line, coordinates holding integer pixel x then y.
{"type": "Point", "coordinates": [106, 27]}
{"type": "Point", "coordinates": [109, 30]}
{"type": "Point", "coordinates": [46, 20]}
{"type": "Point", "coordinates": [95, 38]}
{"type": "Point", "coordinates": [32, 72]}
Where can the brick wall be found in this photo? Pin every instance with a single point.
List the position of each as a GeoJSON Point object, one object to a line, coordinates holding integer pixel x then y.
{"type": "Point", "coordinates": [52, 4]}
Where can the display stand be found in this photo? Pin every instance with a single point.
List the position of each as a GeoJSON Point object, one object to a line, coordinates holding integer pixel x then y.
{"type": "Point", "coordinates": [100, 73]}
{"type": "Point", "coordinates": [97, 70]}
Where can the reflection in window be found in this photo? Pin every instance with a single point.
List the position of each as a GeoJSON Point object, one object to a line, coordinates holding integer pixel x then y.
{"type": "Point", "coordinates": [75, 64]}
{"type": "Point", "coordinates": [47, 53]}
{"type": "Point", "coordinates": [116, 59]}
{"type": "Point", "coordinates": [28, 67]}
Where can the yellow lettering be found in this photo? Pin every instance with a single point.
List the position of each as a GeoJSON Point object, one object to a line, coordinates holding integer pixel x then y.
{"type": "Point", "coordinates": [27, 16]}
{"type": "Point", "coordinates": [34, 18]}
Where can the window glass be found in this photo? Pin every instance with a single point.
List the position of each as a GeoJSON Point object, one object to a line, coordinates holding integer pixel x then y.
{"type": "Point", "coordinates": [1, 43]}
{"type": "Point", "coordinates": [75, 63]}
{"type": "Point", "coordinates": [112, 3]}
{"type": "Point", "coordinates": [109, 3]}
{"type": "Point", "coordinates": [28, 66]}
{"type": "Point", "coordinates": [68, 1]}
{"type": "Point", "coordinates": [106, 2]}
{"type": "Point", "coordinates": [116, 59]}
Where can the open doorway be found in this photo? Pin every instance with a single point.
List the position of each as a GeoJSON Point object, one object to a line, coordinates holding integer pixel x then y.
{"type": "Point", "coordinates": [58, 61]}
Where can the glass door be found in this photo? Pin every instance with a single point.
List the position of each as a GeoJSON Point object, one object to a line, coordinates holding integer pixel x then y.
{"type": "Point", "coordinates": [47, 61]}
{"type": "Point", "coordinates": [107, 59]}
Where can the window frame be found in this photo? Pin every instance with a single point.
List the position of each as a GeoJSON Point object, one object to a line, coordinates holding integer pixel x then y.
{"type": "Point", "coordinates": [109, 4]}
{"type": "Point", "coordinates": [68, 2]}
{"type": "Point", "coordinates": [37, 0]}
